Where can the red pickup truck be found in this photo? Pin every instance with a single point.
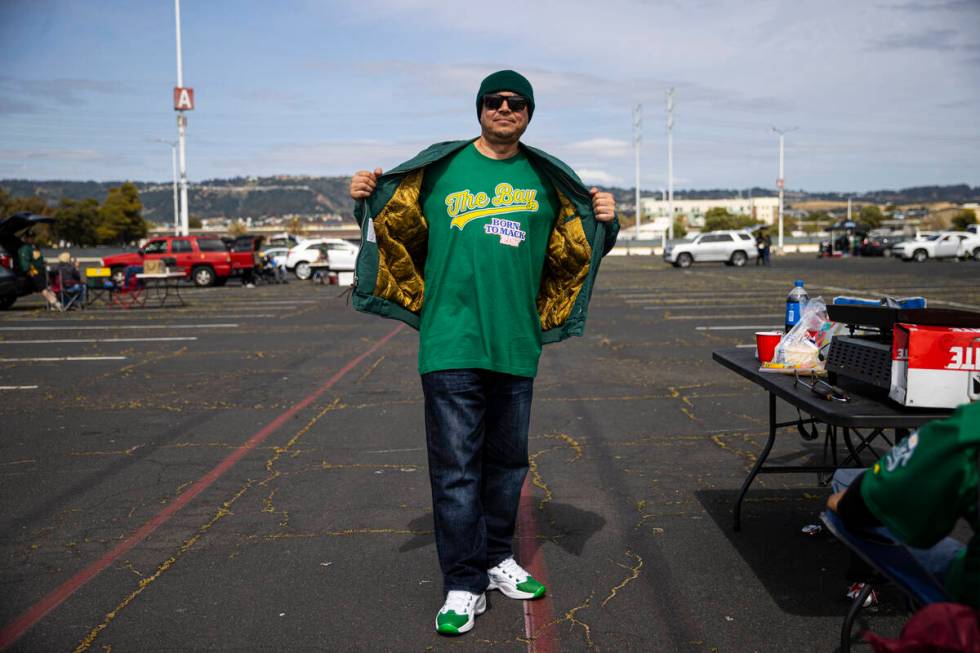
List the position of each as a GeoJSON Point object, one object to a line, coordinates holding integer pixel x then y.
{"type": "Point", "coordinates": [204, 259]}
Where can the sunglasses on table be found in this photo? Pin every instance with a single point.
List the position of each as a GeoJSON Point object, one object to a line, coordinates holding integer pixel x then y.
{"type": "Point", "coordinates": [515, 102]}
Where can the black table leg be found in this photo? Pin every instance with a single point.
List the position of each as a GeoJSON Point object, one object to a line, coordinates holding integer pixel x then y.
{"type": "Point", "coordinates": [180, 299]}
{"type": "Point", "coordinates": [758, 463]}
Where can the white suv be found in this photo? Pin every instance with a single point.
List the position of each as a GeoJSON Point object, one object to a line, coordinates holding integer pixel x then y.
{"type": "Point", "coordinates": [733, 247]}
{"type": "Point", "coordinates": [945, 244]}
{"type": "Point", "coordinates": [339, 256]}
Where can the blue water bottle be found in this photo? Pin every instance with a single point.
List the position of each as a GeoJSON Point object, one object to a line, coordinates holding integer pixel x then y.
{"type": "Point", "coordinates": [795, 302]}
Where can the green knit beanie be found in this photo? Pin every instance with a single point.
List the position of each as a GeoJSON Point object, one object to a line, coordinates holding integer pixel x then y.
{"type": "Point", "coordinates": [506, 80]}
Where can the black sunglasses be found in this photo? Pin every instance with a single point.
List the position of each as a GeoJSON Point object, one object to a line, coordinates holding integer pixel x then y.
{"type": "Point", "coordinates": [494, 102]}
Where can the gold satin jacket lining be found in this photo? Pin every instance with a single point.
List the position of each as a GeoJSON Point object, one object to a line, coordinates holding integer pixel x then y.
{"type": "Point", "coordinates": [402, 234]}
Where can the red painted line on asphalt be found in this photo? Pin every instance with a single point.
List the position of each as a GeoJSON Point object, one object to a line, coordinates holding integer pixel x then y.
{"type": "Point", "coordinates": [15, 629]}
{"type": "Point", "coordinates": [537, 614]}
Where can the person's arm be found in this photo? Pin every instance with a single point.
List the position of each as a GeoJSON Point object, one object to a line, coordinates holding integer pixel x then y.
{"type": "Point", "coordinates": [850, 506]}
{"type": "Point", "coordinates": [604, 207]}
{"type": "Point", "coordinates": [922, 486]}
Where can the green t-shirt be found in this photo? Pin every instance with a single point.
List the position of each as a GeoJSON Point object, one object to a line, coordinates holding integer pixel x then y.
{"type": "Point", "coordinates": [925, 484]}
{"type": "Point", "coordinates": [489, 223]}
{"type": "Point", "coordinates": [29, 259]}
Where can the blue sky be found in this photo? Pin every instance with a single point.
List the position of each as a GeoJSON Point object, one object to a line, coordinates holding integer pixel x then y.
{"type": "Point", "coordinates": [886, 93]}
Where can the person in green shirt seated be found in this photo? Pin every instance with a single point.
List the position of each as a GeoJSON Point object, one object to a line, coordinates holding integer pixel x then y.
{"type": "Point", "coordinates": [918, 491]}
{"type": "Point", "coordinates": [30, 263]}
{"type": "Point", "coordinates": [484, 223]}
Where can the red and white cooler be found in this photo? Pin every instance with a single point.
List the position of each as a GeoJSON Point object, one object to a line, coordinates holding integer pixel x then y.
{"type": "Point", "coordinates": [935, 367]}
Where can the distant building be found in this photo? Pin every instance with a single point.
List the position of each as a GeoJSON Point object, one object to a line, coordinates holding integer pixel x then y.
{"type": "Point", "coordinates": [652, 230]}
{"type": "Point", "coordinates": [763, 209]}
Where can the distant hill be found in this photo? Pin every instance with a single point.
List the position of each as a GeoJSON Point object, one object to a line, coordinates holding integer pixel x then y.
{"type": "Point", "coordinates": [956, 194]}
{"type": "Point", "coordinates": [256, 197]}
{"type": "Point", "coordinates": [239, 197]}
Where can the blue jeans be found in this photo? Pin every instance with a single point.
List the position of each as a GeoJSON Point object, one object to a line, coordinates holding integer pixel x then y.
{"type": "Point", "coordinates": [476, 424]}
{"type": "Point", "coordinates": [935, 560]}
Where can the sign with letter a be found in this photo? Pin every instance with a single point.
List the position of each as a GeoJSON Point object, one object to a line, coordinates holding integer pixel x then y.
{"type": "Point", "coordinates": [183, 99]}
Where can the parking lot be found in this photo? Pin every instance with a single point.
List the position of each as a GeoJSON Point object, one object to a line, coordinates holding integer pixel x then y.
{"type": "Point", "coordinates": [248, 473]}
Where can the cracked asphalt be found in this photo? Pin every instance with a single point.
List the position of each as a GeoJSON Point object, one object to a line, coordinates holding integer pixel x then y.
{"type": "Point", "coordinates": [248, 473]}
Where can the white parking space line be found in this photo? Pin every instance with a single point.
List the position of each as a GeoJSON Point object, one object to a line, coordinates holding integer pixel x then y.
{"type": "Point", "coordinates": [739, 327]}
{"type": "Point", "coordinates": [745, 346]}
{"type": "Point", "coordinates": [107, 327]}
{"type": "Point", "coordinates": [222, 315]}
{"type": "Point", "coordinates": [56, 359]}
{"type": "Point", "coordinates": [286, 302]}
{"type": "Point", "coordinates": [690, 296]}
{"type": "Point", "coordinates": [17, 387]}
{"type": "Point", "coordinates": [198, 315]}
{"type": "Point", "coordinates": [720, 317]}
{"type": "Point", "coordinates": [78, 340]}
{"type": "Point", "coordinates": [954, 304]}
{"type": "Point", "coordinates": [685, 307]}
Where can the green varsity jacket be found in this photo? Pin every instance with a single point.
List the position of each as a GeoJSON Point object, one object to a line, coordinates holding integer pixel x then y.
{"type": "Point", "coordinates": [389, 278]}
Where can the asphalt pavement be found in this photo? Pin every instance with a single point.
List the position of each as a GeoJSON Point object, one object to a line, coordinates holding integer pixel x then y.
{"type": "Point", "coordinates": [248, 473]}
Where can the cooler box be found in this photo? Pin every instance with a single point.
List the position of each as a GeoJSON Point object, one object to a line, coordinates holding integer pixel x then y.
{"type": "Point", "coordinates": [345, 278]}
{"type": "Point", "coordinates": [935, 367]}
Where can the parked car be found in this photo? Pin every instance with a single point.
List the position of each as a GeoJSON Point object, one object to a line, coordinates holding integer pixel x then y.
{"type": "Point", "coordinates": [339, 254]}
{"type": "Point", "coordinates": [205, 260]}
{"type": "Point", "coordinates": [245, 256]}
{"type": "Point", "coordinates": [277, 254]}
{"type": "Point", "coordinates": [12, 284]}
{"type": "Point", "coordinates": [8, 285]}
{"type": "Point", "coordinates": [282, 240]}
{"type": "Point", "coordinates": [879, 244]}
{"type": "Point", "coordinates": [945, 244]}
{"type": "Point", "coordinates": [732, 247]}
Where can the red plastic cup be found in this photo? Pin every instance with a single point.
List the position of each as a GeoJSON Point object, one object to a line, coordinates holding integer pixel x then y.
{"type": "Point", "coordinates": [765, 344]}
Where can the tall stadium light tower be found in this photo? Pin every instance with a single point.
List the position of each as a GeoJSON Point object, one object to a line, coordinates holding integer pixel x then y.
{"type": "Point", "coordinates": [781, 183]}
{"type": "Point", "coordinates": [637, 124]}
{"type": "Point", "coordinates": [670, 162]}
{"type": "Point", "coordinates": [183, 101]}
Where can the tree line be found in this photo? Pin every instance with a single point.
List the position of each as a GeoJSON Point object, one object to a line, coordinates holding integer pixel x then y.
{"type": "Point", "coordinates": [85, 222]}
{"type": "Point", "coordinates": [868, 215]}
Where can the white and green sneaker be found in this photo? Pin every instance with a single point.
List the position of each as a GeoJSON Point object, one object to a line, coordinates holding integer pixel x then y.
{"type": "Point", "coordinates": [458, 614]}
{"type": "Point", "coordinates": [514, 581]}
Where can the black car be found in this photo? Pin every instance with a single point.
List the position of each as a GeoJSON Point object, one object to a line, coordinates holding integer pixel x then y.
{"type": "Point", "coordinates": [879, 245]}
{"type": "Point", "coordinates": [8, 287]}
{"type": "Point", "coordinates": [12, 284]}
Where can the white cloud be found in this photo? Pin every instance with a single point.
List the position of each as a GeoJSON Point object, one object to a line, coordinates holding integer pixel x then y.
{"type": "Point", "coordinates": [601, 177]}
{"type": "Point", "coordinates": [601, 147]}
{"type": "Point", "coordinates": [325, 158]}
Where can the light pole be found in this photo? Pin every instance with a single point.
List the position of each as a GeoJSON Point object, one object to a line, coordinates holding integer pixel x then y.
{"type": "Point", "coordinates": [173, 164]}
{"type": "Point", "coordinates": [181, 132]}
{"type": "Point", "coordinates": [637, 124]}
{"type": "Point", "coordinates": [780, 183]}
{"type": "Point", "coordinates": [670, 162]}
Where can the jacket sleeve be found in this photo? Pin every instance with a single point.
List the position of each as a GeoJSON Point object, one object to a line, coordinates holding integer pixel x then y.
{"type": "Point", "coordinates": [612, 232]}
{"type": "Point", "coordinates": [360, 210]}
{"type": "Point", "coordinates": [927, 481]}
{"type": "Point", "coordinates": [25, 254]}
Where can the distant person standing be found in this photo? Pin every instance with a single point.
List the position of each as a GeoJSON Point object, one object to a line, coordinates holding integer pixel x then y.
{"type": "Point", "coordinates": [30, 263]}
{"type": "Point", "coordinates": [764, 243]}
{"type": "Point", "coordinates": [490, 248]}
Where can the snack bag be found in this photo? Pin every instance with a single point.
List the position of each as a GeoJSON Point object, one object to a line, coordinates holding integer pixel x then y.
{"type": "Point", "coordinates": [805, 345]}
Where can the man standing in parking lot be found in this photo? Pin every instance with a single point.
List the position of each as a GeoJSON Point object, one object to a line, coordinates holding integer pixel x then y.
{"type": "Point", "coordinates": [490, 248]}
{"type": "Point", "coordinates": [764, 243]}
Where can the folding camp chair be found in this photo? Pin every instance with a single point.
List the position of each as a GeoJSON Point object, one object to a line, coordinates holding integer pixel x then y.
{"type": "Point", "coordinates": [71, 291]}
{"type": "Point", "coordinates": [98, 285]}
{"type": "Point", "coordinates": [895, 562]}
{"type": "Point", "coordinates": [131, 293]}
